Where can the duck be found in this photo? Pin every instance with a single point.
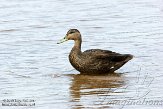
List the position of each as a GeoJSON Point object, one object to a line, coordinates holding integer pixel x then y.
{"type": "Point", "coordinates": [93, 61]}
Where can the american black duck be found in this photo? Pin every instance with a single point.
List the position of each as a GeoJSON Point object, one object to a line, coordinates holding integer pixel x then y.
{"type": "Point", "coordinates": [93, 61]}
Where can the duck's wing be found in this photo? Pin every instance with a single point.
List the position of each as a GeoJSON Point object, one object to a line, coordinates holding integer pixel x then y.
{"type": "Point", "coordinates": [100, 52]}
{"type": "Point", "coordinates": [107, 55]}
{"type": "Point", "coordinates": [115, 58]}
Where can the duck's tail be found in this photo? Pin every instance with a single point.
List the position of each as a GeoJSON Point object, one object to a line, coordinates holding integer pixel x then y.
{"type": "Point", "coordinates": [120, 61]}
{"type": "Point", "coordinates": [121, 58]}
{"type": "Point", "coordinates": [128, 57]}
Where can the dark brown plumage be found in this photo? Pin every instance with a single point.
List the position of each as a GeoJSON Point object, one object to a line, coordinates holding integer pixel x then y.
{"type": "Point", "coordinates": [93, 61]}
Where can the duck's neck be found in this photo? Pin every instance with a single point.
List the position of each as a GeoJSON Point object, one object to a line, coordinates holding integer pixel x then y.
{"type": "Point", "coordinates": [77, 45]}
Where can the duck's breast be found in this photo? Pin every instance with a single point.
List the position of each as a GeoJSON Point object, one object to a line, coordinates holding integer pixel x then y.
{"type": "Point", "coordinates": [76, 61]}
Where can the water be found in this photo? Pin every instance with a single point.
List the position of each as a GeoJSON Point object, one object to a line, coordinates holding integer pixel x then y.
{"type": "Point", "coordinates": [34, 67]}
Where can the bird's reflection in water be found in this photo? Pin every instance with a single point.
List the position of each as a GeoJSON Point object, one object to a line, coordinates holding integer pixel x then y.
{"type": "Point", "coordinates": [103, 85]}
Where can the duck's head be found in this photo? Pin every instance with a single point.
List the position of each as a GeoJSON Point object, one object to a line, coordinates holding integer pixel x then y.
{"type": "Point", "coordinates": [72, 34]}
